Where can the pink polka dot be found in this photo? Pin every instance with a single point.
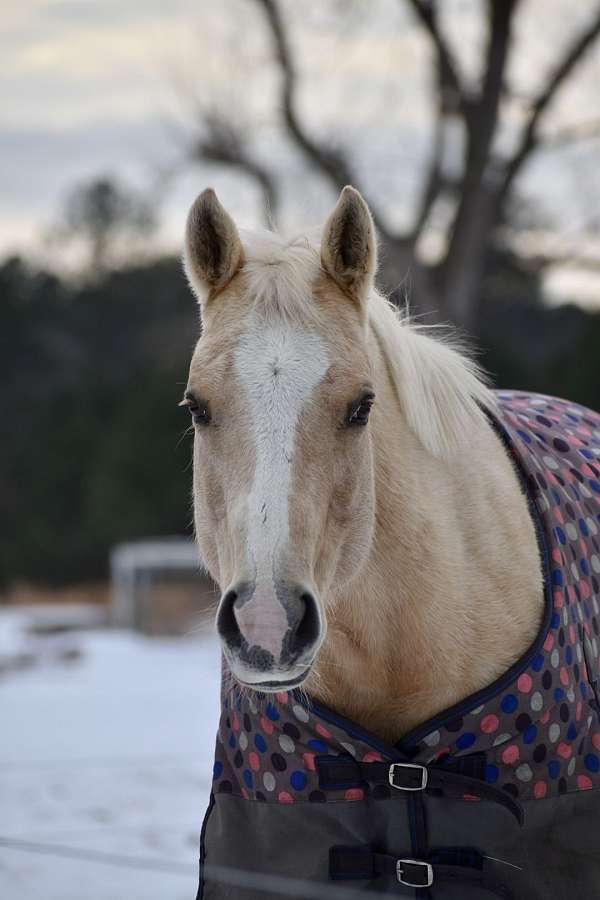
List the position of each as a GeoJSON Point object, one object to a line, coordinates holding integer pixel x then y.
{"type": "Point", "coordinates": [549, 642]}
{"type": "Point", "coordinates": [284, 797]}
{"type": "Point", "coordinates": [564, 750]}
{"type": "Point", "coordinates": [585, 470]}
{"type": "Point", "coordinates": [558, 600]}
{"type": "Point", "coordinates": [354, 794]}
{"type": "Point", "coordinates": [545, 716]}
{"type": "Point", "coordinates": [470, 797]}
{"type": "Point", "coordinates": [564, 676]}
{"type": "Point", "coordinates": [578, 710]}
{"type": "Point", "coordinates": [596, 740]}
{"type": "Point", "coordinates": [372, 756]}
{"type": "Point", "coordinates": [510, 754]}
{"type": "Point", "coordinates": [489, 723]}
{"type": "Point", "coordinates": [245, 794]}
{"type": "Point", "coordinates": [254, 761]}
{"type": "Point", "coordinates": [266, 726]}
{"type": "Point", "coordinates": [539, 789]}
{"type": "Point", "coordinates": [585, 589]}
{"type": "Point", "coordinates": [524, 683]}
{"type": "Point", "coordinates": [322, 730]}
{"type": "Point", "coordinates": [235, 722]}
{"type": "Point", "coordinates": [584, 783]}
{"type": "Point", "coordinates": [572, 635]}
{"type": "Point", "coordinates": [557, 555]}
{"type": "Point", "coordinates": [309, 761]}
{"type": "Point", "coordinates": [282, 696]}
{"type": "Point", "coordinates": [570, 593]}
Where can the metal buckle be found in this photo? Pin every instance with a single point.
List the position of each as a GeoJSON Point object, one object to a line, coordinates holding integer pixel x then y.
{"type": "Point", "coordinates": [428, 873]}
{"type": "Point", "coordinates": [399, 787]}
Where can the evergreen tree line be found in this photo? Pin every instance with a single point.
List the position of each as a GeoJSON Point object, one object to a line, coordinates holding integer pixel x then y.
{"type": "Point", "coordinates": [93, 447]}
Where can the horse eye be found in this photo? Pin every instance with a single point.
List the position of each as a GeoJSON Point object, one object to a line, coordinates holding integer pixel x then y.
{"type": "Point", "coordinates": [358, 413]}
{"type": "Point", "coordinates": [199, 410]}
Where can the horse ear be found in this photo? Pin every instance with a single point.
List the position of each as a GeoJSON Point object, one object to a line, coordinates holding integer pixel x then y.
{"type": "Point", "coordinates": [213, 250]}
{"type": "Point", "coordinates": [348, 246]}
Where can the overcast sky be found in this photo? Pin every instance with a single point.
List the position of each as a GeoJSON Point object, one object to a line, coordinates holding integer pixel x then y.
{"type": "Point", "coordinates": [108, 86]}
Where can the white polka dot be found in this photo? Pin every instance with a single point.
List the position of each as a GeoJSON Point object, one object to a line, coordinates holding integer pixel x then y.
{"type": "Point", "coordinates": [571, 531]}
{"type": "Point", "coordinates": [550, 462]}
{"type": "Point", "coordinates": [286, 743]}
{"type": "Point", "coordinates": [595, 606]}
{"type": "Point", "coordinates": [571, 766]}
{"type": "Point", "coordinates": [593, 528]}
{"type": "Point", "coordinates": [300, 712]}
{"type": "Point", "coordinates": [252, 704]}
{"type": "Point", "coordinates": [574, 571]}
{"type": "Point", "coordinates": [571, 695]}
{"type": "Point", "coordinates": [243, 740]}
{"type": "Point", "coordinates": [477, 711]}
{"type": "Point", "coordinates": [542, 504]}
{"type": "Point", "coordinates": [501, 739]}
{"type": "Point", "coordinates": [524, 772]}
{"type": "Point", "coordinates": [433, 739]}
{"type": "Point", "coordinates": [349, 748]}
{"type": "Point", "coordinates": [269, 781]}
{"type": "Point", "coordinates": [565, 616]}
{"type": "Point", "coordinates": [554, 658]}
{"type": "Point", "coordinates": [578, 653]}
{"type": "Point", "coordinates": [584, 491]}
{"type": "Point", "coordinates": [554, 732]}
{"type": "Point", "coordinates": [537, 701]}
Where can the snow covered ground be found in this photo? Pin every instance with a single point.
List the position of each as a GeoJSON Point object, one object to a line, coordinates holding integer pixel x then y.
{"type": "Point", "coordinates": [105, 760]}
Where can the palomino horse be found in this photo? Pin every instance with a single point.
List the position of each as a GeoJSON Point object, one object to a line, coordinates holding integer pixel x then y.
{"type": "Point", "coordinates": [344, 466]}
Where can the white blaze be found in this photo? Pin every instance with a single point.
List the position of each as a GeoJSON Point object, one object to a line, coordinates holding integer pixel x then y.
{"type": "Point", "coordinates": [279, 368]}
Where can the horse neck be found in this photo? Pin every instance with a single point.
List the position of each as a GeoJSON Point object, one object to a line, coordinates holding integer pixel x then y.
{"type": "Point", "coordinates": [451, 593]}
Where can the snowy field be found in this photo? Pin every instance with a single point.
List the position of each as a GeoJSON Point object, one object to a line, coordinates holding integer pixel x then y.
{"type": "Point", "coordinates": [105, 759]}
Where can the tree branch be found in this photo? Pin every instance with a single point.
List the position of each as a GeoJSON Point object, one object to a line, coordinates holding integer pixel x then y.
{"type": "Point", "coordinates": [223, 144]}
{"type": "Point", "coordinates": [330, 162]}
{"type": "Point", "coordinates": [530, 136]}
{"type": "Point", "coordinates": [454, 96]}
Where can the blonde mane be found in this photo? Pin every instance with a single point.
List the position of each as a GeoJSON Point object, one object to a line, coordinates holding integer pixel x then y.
{"type": "Point", "coordinates": [441, 390]}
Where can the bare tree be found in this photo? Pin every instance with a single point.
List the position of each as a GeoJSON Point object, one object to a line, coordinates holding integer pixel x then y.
{"type": "Point", "coordinates": [479, 198]}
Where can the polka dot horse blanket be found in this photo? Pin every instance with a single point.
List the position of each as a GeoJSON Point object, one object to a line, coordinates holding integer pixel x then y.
{"type": "Point", "coordinates": [497, 796]}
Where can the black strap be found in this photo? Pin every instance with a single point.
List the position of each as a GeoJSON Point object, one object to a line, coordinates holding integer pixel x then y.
{"type": "Point", "coordinates": [464, 865]}
{"type": "Point", "coordinates": [343, 772]}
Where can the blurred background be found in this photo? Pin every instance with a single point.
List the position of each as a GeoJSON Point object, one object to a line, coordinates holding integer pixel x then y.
{"type": "Point", "coordinates": [473, 130]}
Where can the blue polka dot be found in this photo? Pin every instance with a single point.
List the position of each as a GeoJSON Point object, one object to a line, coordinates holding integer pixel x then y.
{"type": "Point", "coordinates": [556, 497]}
{"type": "Point", "coordinates": [553, 769]}
{"type": "Point", "coordinates": [298, 780]}
{"type": "Point", "coordinates": [583, 689]}
{"type": "Point", "coordinates": [231, 741]}
{"type": "Point", "coordinates": [524, 436]}
{"type": "Point", "coordinates": [248, 778]}
{"type": "Point", "coordinates": [558, 694]}
{"type": "Point", "coordinates": [560, 535]}
{"type": "Point", "coordinates": [555, 620]}
{"type": "Point", "coordinates": [583, 527]}
{"type": "Point", "coordinates": [509, 703]}
{"type": "Point", "coordinates": [538, 662]}
{"type": "Point", "coordinates": [595, 485]}
{"type": "Point", "coordinates": [557, 577]}
{"type": "Point", "coordinates": [530, 734]}
{"type": "Point", "coordinates": [569, 655]}
{"type": "Point", "coordinates": [586, 453]}
{"type": "Point", "coordinates": [260, 743]}
{"type": "Point", "coordinates": [491, 773]}
{"type": "Point", "coordinates": [591, 762]}
{"type": "Point", "coordinates": [584, 567]}
{"type": "Point", "coordinates": [272, 712]}
{"type": "Point", "coordinates": [317, 745]}
{"type": "Point", "coordinates": [465, 740]}
{"type": "Point", "coordinates": [217, 769]}
{"type": "Point", "coordinates": [571, 732]}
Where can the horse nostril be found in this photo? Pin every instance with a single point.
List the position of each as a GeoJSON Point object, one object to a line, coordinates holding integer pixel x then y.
{"type": "Point", "coordinates": [227, 625]}
{"type": "Point", "coordinates": [308, 628]}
